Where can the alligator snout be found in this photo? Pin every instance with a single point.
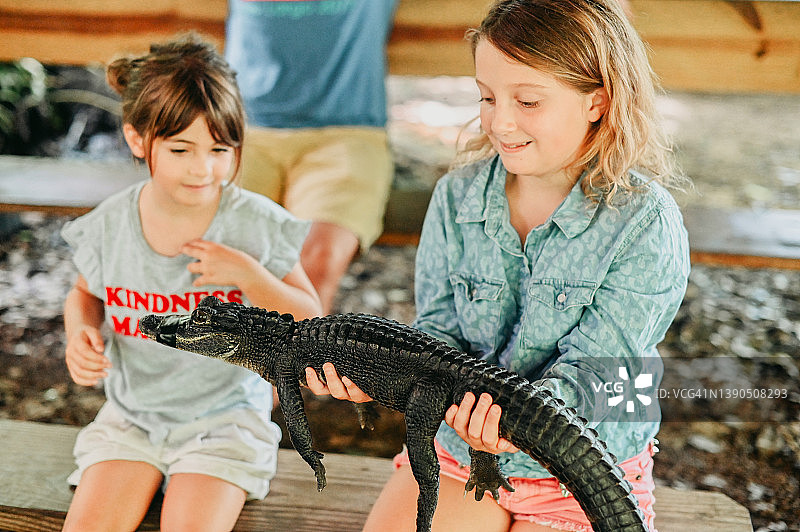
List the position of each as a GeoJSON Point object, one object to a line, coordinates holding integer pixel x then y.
{"type": "Point", "coordinates": [162, 329]}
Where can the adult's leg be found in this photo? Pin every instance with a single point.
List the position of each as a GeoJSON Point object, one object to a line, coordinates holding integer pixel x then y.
{"type": "Point", "coordinates": [341, 182]}
{"type": "Point", "coordinates": [396, 508]}
{"type": "Point", "coordinates": [113, 495]}
{"type": "Point", "coordinates": [196, 502]}
{"type": "Point", "coordinates": [326, 256]}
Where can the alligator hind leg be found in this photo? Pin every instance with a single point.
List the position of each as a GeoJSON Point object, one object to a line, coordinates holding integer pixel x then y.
{"type": "Point", "coordinates": [485, 475]}
{"type": "Point", "coordinates": [424, 414]}
{"type": "Point", "coordinates": [291, 403]}
{"type": "Point", "coordinates": [367, 414]}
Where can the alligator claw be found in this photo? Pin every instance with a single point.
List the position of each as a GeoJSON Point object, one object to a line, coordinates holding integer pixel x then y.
{"type": "Point", "coordinates": [367, 415]}
{"type": "Point", "coordinates": [319, 470]}
{"type": "Point", "coordinates": [491, 485]}
{"type": "Point", "coordinates": [485, 475]}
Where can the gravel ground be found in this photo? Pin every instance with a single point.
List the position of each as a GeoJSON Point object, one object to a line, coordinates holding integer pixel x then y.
{"type": "Point", "coordinates": [752, 316]}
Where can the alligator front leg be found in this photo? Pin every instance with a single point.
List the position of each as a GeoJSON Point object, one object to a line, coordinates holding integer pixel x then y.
{"type": "Point", "coordinates": [291, 403]}
{"type": "Point", "coordinates": [485, 475]}
{"type": "Point", "coordinates": [424, 414]}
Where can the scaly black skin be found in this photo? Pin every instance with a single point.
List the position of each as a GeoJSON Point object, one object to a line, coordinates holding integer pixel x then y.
{"type": "Point", "coordinates": [409, 371]}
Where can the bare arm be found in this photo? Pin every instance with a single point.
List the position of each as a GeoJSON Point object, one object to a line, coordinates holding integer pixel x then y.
{"type": "Point", "coordinates": [221, 264]}
{"type": "Point", "coordinates": [83, 317]}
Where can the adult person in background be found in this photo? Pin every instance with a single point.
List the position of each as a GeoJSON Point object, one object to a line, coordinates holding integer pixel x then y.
{"type": "Point", "coordinates": [312, 74]}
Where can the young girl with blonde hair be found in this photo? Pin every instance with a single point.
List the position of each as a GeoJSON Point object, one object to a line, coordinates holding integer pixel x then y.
{"type": "Point", "coordinates": [198, 427]}
{"type": "Point", "coordinates": [557, 253]}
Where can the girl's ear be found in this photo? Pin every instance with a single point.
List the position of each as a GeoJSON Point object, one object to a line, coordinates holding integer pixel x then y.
{"type": "Point", "coordinates": [599, 102]}
{"type": "Point", "coordinates": [134, 140]}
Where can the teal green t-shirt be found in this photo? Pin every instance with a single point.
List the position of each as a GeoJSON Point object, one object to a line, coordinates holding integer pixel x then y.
{"type": "Point", "coordinates": [310, 63]}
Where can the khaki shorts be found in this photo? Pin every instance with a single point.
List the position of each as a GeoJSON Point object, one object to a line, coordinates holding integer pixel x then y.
{"type": "Point", "coordinates": [238, 446]}
{"type": "Point", "coordinates": [339, 175]}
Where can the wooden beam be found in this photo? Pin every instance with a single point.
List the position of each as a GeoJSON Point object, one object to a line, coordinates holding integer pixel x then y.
{"type": "Point", "coordinates": [744, 237]}
{"type": "Point", "coordinates": [696, 45]}
{"type": "Point", "coordinates": [34, 495]}
{"type": "Point", "coordinates": [428, 37]}
{"type": "Point", "coordinates": [718, 46]}
{"type": "Point", "coordinates": [56, 186]}
{"type": "Point", "coordinates": [740, 237]}
{"type": "Point", "coordinates": [732, 260]}
{"type": "Point", "coordinates": [83, 32]}
{"type": "Point", "coordinates": [206, 9]}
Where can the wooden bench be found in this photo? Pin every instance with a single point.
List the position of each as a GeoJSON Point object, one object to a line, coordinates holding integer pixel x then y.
{"type": "Point", "coordinates": [36, 458]}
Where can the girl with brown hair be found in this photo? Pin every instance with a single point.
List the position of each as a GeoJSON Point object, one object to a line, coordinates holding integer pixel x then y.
{"type": "Point", "coordinates": [198, 427]}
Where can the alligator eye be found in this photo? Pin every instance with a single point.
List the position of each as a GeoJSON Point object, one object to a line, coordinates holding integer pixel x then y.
{"type": "Point", "coordinates": [201, 317]}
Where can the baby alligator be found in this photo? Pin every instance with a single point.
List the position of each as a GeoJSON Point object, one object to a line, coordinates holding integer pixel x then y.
{"type": "Point", "coordinates": [409, 371]}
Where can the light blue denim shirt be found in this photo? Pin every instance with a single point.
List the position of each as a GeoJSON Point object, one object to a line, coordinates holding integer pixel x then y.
{"type": "Point", "coordinates": [592, 291]}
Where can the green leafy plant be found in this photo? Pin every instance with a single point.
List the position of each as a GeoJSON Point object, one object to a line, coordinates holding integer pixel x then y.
{"type": "Point", "coordinates": [40, 106]}
{"type": "Point", "coordinates": [23, 87]}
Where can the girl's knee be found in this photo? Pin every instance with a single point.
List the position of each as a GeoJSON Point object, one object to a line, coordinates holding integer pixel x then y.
{"type": "Point", "coordinates": [197, 502]}
{"type": "Point", "coordinates": [125, 488]}
{"type": "Point", "coordinates": [396, 506]}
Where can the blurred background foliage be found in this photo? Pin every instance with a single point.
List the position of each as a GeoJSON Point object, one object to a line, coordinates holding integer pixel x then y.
{"type": "Point", "coordinates": [56, 110]}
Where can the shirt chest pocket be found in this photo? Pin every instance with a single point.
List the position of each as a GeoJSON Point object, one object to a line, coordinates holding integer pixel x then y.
{"type": "Point", "coordinates": [478, 302]}
{"type": "Point", "coordinates": [554, 308]}
{"type": "Point", "coordinates": [562, 295]}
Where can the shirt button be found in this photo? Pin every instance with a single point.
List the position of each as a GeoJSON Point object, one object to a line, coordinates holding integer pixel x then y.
{"type": "Point", "coordinates": [561, 297]}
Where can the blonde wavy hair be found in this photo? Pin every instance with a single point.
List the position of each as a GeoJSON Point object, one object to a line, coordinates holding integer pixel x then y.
{"type": "Point", "coordinates": [588, 44]}
{"type": "Point", "coordinates": [164, 91]}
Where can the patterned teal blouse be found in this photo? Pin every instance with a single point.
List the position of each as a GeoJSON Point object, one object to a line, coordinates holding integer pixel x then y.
{"type": "Point", "coordinates": [582, 305]}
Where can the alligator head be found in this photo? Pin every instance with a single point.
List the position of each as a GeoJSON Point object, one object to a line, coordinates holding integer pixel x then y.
{"type": "Point", "coordinates": [217, 330]}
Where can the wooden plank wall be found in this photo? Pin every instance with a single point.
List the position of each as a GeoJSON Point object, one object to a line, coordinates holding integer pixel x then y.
{"type": "Point", "coordinates": [733, 46]}
{"type": "Point", "coordinates": [698, 45]}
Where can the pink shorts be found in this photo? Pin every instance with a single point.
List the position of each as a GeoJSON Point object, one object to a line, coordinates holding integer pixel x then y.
{"type": "Point", "coordinates": [540, 500]}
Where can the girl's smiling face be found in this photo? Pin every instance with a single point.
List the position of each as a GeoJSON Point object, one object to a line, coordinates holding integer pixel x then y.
{"type": "Point", "coordinates": [535, 122]}
{"type": "Point", "coordinates": [188, 168]}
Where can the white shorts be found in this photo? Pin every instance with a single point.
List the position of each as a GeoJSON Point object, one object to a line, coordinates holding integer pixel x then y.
{"type": "Point", "coordinates": [237, 446]}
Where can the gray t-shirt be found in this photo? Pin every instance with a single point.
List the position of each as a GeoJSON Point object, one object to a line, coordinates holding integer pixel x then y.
{"type": "Point", "coordinates": [154, 386]}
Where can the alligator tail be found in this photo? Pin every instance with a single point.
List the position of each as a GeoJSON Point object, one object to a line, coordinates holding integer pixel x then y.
{"type": "Point", "coordinates": [553, 434]}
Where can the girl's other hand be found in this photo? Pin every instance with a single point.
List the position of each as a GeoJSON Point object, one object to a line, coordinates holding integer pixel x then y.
{"type": "Point", "coordinates": [479, 427]}
{"type": "Point", "coordinates": [218, 264]}
{"type": "Point", "coordinates": [340, 388]}
{"type": "Point", "coordinates": [84, 355]}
